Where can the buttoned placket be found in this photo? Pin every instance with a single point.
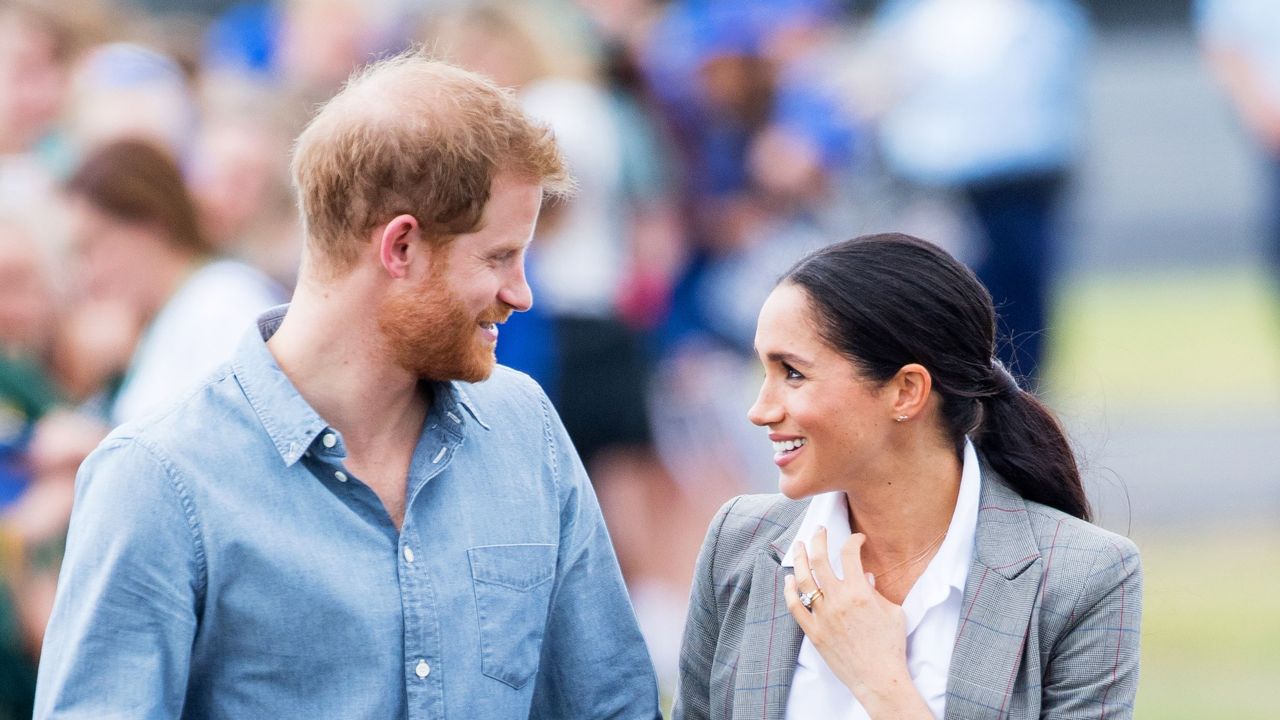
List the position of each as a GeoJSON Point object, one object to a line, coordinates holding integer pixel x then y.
{"type": "Point", "coordinates": [422, 641]}
{"type": "Point", "coordinates": [422, 614]}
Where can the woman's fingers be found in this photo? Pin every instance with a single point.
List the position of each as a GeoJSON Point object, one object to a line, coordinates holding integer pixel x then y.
{"type": "Point", "coordinates": [851, 556]}
{"type": "Point", "coordinates": [822, 571]}
{"type": "Point", "coordinates": [804, 573]}
{"type": "Point", "coordinates": [798, 611]}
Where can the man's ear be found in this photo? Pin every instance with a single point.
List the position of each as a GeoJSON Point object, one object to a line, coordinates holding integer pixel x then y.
{"type": "Point", "coordinates": [398, 243]}
{"type": "Point", "coordinates": [912, 386]}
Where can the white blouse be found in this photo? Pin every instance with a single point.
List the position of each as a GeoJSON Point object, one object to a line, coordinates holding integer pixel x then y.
{"type": "Point", "coordinates": [932, 606]}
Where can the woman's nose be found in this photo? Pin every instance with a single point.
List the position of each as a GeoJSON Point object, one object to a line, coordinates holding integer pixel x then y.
{"type": "Point", "coordinates": [765, 411]}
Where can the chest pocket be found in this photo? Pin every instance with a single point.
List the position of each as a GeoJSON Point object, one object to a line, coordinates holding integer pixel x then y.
{"type": "Point", "coordinates": [513, 590]}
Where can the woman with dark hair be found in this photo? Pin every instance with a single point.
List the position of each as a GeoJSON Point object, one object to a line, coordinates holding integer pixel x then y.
{"type": "Point", "coordinates": [141, 252]}
{"type": "Point", "coordinates": [930, 555]}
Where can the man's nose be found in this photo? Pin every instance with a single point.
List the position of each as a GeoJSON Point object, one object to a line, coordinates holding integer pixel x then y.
{"type": "Point", "coordinates": [517, 293]}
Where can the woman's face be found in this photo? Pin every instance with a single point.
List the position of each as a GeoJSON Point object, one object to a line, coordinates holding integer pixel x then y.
{"type": "Point", "coordinates": [829, 425]}
{"type": "Point", "coordinates": [116, 261]}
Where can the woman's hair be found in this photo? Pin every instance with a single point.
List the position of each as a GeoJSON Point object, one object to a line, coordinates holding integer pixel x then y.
{"type": "Point", "coordinates": [137, 182]}
{"type": "Point", "coordinates": [885, 301]}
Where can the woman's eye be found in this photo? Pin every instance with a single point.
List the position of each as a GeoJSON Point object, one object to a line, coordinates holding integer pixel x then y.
{"type": "Point", "coordinates": [792, 373]}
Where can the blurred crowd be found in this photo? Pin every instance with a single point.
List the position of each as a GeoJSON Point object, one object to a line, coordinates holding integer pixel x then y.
{"type": "Point", "coordinates": [146, 216]}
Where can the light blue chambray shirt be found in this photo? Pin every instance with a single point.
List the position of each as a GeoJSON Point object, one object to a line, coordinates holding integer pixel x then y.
{"type": "Point", "coordinates": [222, 563]}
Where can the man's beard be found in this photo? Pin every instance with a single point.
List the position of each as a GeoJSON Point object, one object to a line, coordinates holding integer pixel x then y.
{"type": "Point", "coordinates": [432, 335]}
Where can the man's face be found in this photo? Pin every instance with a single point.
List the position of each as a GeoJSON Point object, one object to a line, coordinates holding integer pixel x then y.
{"type": "Point", "coordinates": [445, 327]}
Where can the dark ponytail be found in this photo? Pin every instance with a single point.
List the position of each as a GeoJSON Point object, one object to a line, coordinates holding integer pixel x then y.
{"type": "Point", "coordinates": [885, 301]}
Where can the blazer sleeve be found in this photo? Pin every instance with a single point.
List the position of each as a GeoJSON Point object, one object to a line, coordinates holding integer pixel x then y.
{"type": "Point", "coordinates": [1093, 671]}
{"type": "Point", "coordinates": [701, 630]}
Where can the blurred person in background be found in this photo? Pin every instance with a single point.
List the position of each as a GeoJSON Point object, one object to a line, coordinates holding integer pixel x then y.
{"type": "Point", "coordinates": [30, 531]}
{"type": "Point", "coordinates": [986, 100]}
{"type": "Point", "coordinates": [767, 145]}
{"type": "Point", "coordinates": [155, 312]}
{"type": "Point", "coordinates": [930, 553]}
{"type": "Point", "coordinates": [583, 263]}
{"type": "Point", "coordinates": [130, 90]}
{"type": "Point", "coordinates": [28, 306]}
{"type": "Point", "coordinates": [658, 232]}
{"type": "Point", "coordinates": [1241, 41]}
{"type": "Point", "coordinates": [756, 124]}
{"type": "Point", "coordinates": [304, 49]}
{"type": "Point", "coordinates": [40, 42]}
{"type": "Point", "coordinates": [37, 48]}
{"type": "Point", "coordinates": [139, 246]}
{"type": "Point", "coordinates": [238, 175]}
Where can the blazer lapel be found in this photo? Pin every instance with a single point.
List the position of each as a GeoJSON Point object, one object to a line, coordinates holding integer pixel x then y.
{"type": "Point", "coordinates": [999, 598]}
{"type": "Point", "coordinates": [770, 639]}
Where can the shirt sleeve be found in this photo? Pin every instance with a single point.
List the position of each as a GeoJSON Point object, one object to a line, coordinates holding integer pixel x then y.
{"type": "Point", "coordinates": [124, 618]}
{"type": "Point", "coordinates": [1093, 671]}
{"type": "Point", "coordinates": [594, 663]}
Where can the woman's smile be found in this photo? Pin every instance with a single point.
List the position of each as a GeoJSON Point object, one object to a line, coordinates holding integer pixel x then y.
{"type": "Point", "coordinates": [785, 449]}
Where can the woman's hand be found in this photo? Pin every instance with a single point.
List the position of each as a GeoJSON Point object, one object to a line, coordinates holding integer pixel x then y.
{"type": "Point", "coordinates": [860, 634]}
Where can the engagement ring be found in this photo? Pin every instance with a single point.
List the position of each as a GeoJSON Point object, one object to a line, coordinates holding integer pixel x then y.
{"type": "Point", "coordinates": [807, 598]}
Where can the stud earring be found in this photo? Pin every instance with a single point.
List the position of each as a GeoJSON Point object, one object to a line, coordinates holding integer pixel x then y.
{"type": "Point", "coordinates": [900, 418]}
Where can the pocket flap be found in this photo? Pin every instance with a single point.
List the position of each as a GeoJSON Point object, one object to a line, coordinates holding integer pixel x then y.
{"type": "Point", "coordinates": [519, 567]}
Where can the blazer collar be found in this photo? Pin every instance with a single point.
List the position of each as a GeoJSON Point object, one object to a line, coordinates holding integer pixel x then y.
{"type": "Point", "coordinates": [771, 638]}
{"type": "Point", "coordinates": [999, 598]}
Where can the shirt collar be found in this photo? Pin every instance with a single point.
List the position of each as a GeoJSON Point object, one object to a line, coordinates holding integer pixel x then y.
{"type": "Point", "coordinates": [464, 400]}
{"type": "Point", "coordinates": [827, 510]}
{"type": "Point", "coordinates": [291, 423]}
{"type": "Point", "coordinates": [949, 567]}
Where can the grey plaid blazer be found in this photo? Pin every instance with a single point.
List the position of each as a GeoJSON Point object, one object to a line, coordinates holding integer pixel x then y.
{"type": "Point", "coordinates": [1048, 629]}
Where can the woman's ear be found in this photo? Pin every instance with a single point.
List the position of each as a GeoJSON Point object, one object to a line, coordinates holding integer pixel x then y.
{"type": "Point", "coordinates": [910, 389]}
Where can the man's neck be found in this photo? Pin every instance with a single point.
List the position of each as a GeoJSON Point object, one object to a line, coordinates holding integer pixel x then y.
{"type": "Point", "coordinates": [332, 351]}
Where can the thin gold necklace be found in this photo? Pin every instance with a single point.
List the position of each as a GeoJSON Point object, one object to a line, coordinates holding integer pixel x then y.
{"type": "Point", "coordinates": [933, 544]}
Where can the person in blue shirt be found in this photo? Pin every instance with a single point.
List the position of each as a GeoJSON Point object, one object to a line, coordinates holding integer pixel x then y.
{"type": "Point", "coordinates": [360, 516]}
{"type": "Point", "coordinates": [989, 104]}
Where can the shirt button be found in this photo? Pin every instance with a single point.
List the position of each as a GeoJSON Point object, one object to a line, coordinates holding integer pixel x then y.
{"type": "Point", "coordinates": [423, 669]}
{"type": "Point", "coordinates": [342, 477]}
{"type": "Point", "coordinates": [408, 555]}
{"type": "Point", "coordinates": [329, 440]}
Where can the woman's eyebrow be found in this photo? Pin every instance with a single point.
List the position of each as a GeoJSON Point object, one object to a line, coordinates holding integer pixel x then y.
{"type": "Point", "coordinates": [788, 358]}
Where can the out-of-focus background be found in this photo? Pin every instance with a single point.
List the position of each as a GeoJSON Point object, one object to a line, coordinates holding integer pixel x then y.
{"type": "Point", "coordinates": [1111, 170]}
